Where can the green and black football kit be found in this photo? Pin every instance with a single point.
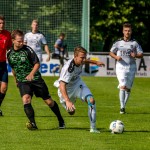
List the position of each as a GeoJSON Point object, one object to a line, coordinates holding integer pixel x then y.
{"type": "Point", "coordinates": [22, 61]}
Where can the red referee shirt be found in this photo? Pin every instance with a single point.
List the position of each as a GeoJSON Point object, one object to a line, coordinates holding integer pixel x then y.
{"type": "Point", "coordinates": [5, 44]}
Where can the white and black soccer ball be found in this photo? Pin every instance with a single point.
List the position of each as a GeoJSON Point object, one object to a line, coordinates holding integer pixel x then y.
{"type": "Point", "coordinates": [116, 126]}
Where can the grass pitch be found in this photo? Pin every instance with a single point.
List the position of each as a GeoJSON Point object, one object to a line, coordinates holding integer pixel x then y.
{"type": "Point", "coordinates": [15, 136]}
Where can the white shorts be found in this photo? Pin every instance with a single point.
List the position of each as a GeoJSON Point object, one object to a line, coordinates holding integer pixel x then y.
{"type": "Point", "coordinates": [125, 76]}
{"type": "Point", "coordinates": [80, 90]}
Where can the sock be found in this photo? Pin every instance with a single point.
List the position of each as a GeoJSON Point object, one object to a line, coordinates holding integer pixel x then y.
{"type": "Point", "coordinates": [56, 111]}
{"type": "Point", "coordinates": [29, 112]}
{"type": "Point", "coordinates": [1, 98]}
{"type": "Point", "coordinates": [122, 98]}
{"type": "Point", "coordinates": [127, 94]}
{"type": "Point", "coordinates": [92, 115]}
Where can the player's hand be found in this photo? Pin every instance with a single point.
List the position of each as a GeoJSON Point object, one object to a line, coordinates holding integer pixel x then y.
{"type": "Point", "coordinates": [101, 64]}
{"type": "Point", "coordinates": [70, 106]}
{"type": "Point", "coordinates": [29, 77]}
{"type": "Point", "coordinates": [48, 59]}
{"type": "Point", "coordinates": [61, 49]}
{"type": "Point", "coordinates": [118, 58]}
{"type": "Point", "coordinates": [132, 54]}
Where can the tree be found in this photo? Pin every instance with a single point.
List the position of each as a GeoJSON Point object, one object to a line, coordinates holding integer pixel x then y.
{"type": "Point", "coordinates": [107, 17]}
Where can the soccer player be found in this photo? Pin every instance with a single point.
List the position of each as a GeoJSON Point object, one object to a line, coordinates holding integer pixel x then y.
{"type": "Point", "coordinates": [70, 86]}
{"type": "Point", "coordinates": [25, 68]}
{"type": "Point", "coordinates": [5, 44]}
{"type": "Point", "coordinates": [36, 40]}
{"type": "Point", "coordinates": [125, 51]}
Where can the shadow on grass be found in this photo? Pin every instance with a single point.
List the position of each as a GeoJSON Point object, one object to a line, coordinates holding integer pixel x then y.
{"type": "Point", "coordinates": [41, 116]}
{"type": "Point", "coordinates": [64, 116]}
{"type": "Point", "coordinates": [140, 113]}
{"type": "Point", "coordinates": [71, 128]}
{"type": "Point", "coordinates": [139, 131]}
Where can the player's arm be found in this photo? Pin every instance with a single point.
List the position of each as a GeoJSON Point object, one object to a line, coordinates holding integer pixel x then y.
{"type": "Point", "coordinates": [98, 63]}
{"type": "Point", "coordinates": [46, 48]}
{"type": "Point", "coordinates": [33, 60]}
{"type": "Point", "coordinates": [9, 42]}
{"type": "Point", "coordinates": [70, 106]}
{"type": "Point", "coordinates": [57, 46]}
{"type": "Point", "coordinates": [30, 76]}
{"type": "Point", "coordinates": [139, 55]}
{"type": "Point", "coordinates": [14, 74]}
{"type": "Point", "coordinates": [113, 55]}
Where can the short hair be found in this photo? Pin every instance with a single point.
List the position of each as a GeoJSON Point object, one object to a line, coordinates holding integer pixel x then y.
{"type": "Point", "coordinates": [35, 20]}
{"type": "Point", "coordinates": [15, 33]}
{"type": "Point", "coordinates": [127, 25]}
{"type": "Point", "coordinates": [2, 17]}
{"type": "Point", "coordinates": [79, 49]}
{"type": "Point", "coordinates": [62, 34]}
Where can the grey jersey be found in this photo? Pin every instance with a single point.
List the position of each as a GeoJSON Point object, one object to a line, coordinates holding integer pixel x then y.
{"type": "Point", "coordinates": [124, 48]}
{"type": "Point", "coordinates": [58, 42]}
{"type": "Point", "coordinates": [70, 73]}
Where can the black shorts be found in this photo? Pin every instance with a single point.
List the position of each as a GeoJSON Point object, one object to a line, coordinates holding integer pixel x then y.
{"type": "Point", "coordinates": [38, 87]}
{"type": "Point", "coordinates": [3, 72]}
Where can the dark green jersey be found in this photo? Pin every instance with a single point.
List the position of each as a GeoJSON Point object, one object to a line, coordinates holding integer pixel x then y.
{"type": "Point", "coordinates": [23, 61]}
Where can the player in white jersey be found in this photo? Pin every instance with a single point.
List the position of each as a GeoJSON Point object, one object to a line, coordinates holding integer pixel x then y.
{"type": "Point", "coordinates": [125, 51]}
{"type": "Point", "coordinates": [36, 41]}
{"type": "Point", "coordinates": [70, 86]}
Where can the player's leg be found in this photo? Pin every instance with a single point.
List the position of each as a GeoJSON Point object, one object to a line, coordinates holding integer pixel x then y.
{"type": "Point", "coordinates": [26, 94]}
{"type": "Point", "coordinates": [41, 90]}
{"type": "Point", "coordinates": [3, 83]}
{"type": "Point", "coordinates": [3, 89]}
{"type": "Point", "coordinates": [122, 78]}
{"type": "Point", "coordinates": [87, 96]}
{"type": "Point", "coordinates": [127, 95]}
{"type": "Point", "coordinates": [72, 99]}
{"type": "Point", "coordinates": [131, 77]}
{"type": "Point", "coordinates": [55, 108]}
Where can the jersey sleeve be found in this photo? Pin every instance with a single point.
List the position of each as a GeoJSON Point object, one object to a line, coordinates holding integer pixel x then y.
{"type": "Point", "coordinates": [65, 75]}
{"type": "Point", "coordinates": [43, 39]}
{"type": "Point", "coordinates": [114, 48]}
{"type": "Point", "coordinates": [58, 42]}
{"type": "Point", "coordinates": [138, 48]}
{"type": "Point", "coordinates": [32, 56]}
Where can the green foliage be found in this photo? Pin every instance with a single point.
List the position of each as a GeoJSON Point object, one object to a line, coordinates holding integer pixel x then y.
{"type": "Point", "coordinates": [107, 17]}
{"type": "Point", "coordinates": [15, 136]}
{"type": "Point", "coordinates": [54, 17]}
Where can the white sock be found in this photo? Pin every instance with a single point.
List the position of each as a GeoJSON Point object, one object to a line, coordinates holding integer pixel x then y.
{"type": "Point", "coordinates": [92, 115]}
{"type": "Point", "coordinates": [127, 94]}
{"type": "Point", "coordinates": [122, 98]}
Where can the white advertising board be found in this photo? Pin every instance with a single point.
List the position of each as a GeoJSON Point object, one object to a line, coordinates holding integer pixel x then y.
{"type": "Point", "coordinates": [143, 67]}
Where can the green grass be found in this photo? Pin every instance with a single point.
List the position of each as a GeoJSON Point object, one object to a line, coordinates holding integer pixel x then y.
{"type": "Point", "coordinates": [15, 136]}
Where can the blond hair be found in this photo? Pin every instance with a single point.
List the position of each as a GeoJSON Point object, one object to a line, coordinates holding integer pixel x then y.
{"type": "Point", "coordinates": [35, 21]}
{"type": "Point", "coordinates": [79, 49]}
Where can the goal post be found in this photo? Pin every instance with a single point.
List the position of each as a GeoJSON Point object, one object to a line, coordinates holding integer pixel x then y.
{"type": "Point", "coordinates": [86, 25]}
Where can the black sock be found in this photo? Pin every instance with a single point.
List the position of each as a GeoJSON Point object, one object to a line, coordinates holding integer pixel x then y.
{"type": "Point", "coordinates": [1, 98]}
{"type": "Point", "coordinates": [29, 112]}
{"type": "Point", "coordinates": [56, 111]}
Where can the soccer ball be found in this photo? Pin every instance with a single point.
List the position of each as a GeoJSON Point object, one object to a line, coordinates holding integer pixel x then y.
{"type": "Point", "coordinates": [116, 126]}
